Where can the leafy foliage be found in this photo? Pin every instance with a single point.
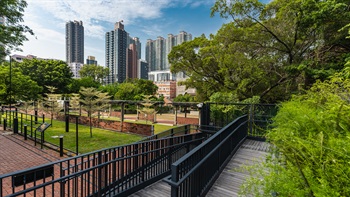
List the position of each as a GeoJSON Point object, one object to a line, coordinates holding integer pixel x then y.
{"type": "Point", "coordinates": [135, 89]}
{"type": "Point", "coordinates": [267, 50]}
{"type": "Point", "coordinates": [311, 133]}
{"type": "Point", "coordinates": [86, 82]}
{"type": "Point", "coordinates": [47, 73]}
{"type": "Point", "coordinates": [50, 104]}
{"type": "Point", "coordinates": [12, 34]}
{"type": "Point", "coordinates": [22, 87]}
{"type": "Point", "coordinates": [184, 98]}
{"type": "Point", "coordinates": [97, 73]}
{"type": "Point", "coordinates": [148, 107]}
{"type": "Point", "coordinates": [93, 101]}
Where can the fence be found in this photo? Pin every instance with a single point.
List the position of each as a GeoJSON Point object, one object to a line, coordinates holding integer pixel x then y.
{"type": "Point", "coordinates": [215, 116]}
{"type": "Point", "coordinates": [118, 170]}
{"type": "Point", "coordinates": [190, 175]}
{"type": "Point", "coordinates": [33, 121]}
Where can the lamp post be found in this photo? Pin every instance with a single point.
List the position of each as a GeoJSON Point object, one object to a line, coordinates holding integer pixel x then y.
{"type": "Point", "coordinates": [10, 89]}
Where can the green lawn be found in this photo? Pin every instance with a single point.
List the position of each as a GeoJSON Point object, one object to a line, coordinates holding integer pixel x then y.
{"type": "Point", "coordinates": [100, 139]}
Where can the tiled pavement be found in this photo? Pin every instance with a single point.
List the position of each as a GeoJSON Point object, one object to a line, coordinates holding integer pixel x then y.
{"type": "Point", "coordinates": [18, 154]}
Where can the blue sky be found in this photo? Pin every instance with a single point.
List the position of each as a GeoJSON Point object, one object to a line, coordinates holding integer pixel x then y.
{"type": "Point", "coordinates": [145, 19]}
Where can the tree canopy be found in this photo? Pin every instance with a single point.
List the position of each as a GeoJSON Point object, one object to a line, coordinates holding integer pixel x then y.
{"type": "Point", "coordinates": [97, 73]}
{"type": "Point", "coordinates": [267, 50]}
{"type": "Point", "coordinates": [135, 89]}
{"type": "Point", "coordinates": [54, 73]}
{"type": "Point", "coordinates": [22, 87]}
{"type": "Point", "coordinates": [12, 33]}
{"type": "Point", "coordinates": [311, 136]}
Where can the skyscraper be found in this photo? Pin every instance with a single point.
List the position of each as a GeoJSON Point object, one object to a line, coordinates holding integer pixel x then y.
{"type": "Point", "coordinates": [75, 42]}
{"type": "Point", "coordinates": [91, 60]}
{"type": "Point", "coordinates": [157, 50]}
{"type": "Point", "coordinates": [116, 53]}
{"type": "Point", "coordinates": [142, 69]}
{"type": "Point", "coordinates": [131, 65]}
{"type": "Point", "coordinates": [138, 47]}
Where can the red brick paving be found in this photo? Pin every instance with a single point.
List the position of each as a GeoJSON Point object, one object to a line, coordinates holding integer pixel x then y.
{"type": "Point", "coordinates": [19, 154]}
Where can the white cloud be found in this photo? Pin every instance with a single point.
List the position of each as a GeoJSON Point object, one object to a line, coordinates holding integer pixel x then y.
{"type": "Point", "coordinates": [92, 12]}
{"type": "Point", "coordinates": [47, 18]}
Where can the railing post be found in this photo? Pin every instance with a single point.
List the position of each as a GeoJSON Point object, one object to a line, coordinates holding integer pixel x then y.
{"type": "Point", "coordinates": [36, 116]}
{"type": "Point", "coordinates": [99, 178]}
{"type": "Point", "coordinates": [67, 123]}
{"type": "Point", "coordinates": [25, 132]}
{"type": "Point", "coordinates": [174, 179]}
{"type": "Point", "coordinates": [61, 146]}
{"type": "Point", "coordinates": [43, 118]}
{"type": "Point", "coordinates": [5, 124]}
{"type": "Point", "coordinates": [42, 139]}
{"type": "Point", "coordinates": [62, 189]}
{"type": "Point", "coordinates": [76, 134]}
{"type": "Point", "coordinates": [15, 125]}
{"type": "Point", "coordinates": [22, 122]}
{"type": "Point", "coordinates": [31, 125]}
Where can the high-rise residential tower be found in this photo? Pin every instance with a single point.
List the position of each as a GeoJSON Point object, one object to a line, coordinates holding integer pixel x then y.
{"type": "Point", "coordinates": [131, 64]}
{"type": "Point", "coordinates": [142, 69]}
{"type": "Point", "coordinates": [75, 42]}
{"type": "Point", "coordinates": [157, 50]}
{"type": "Point", "coordinates": [116, 53]}
{"type": "Point", "coordinates": [91, 60]}
{"type": "Point", "coordinates": [138, 47]}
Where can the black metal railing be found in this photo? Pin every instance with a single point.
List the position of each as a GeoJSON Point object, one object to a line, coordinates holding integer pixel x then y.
{"type": "Point", "coordinates": [118, 170]}
{"type": "Point", "coordinates": [181, 130]}
{"type": "Point", "coordinates": [33, 121]}
{"type": "Point", "coordinates": [194, 174]}
{"type": "Point", "coordinates": [217, 115]}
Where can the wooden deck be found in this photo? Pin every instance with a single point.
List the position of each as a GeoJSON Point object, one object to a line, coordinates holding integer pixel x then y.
{"type": "Point", "coordinates": [229, 180]}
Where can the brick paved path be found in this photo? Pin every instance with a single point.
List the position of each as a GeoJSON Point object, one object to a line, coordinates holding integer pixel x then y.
{"type": "Point", "coordinates": [18, 154]}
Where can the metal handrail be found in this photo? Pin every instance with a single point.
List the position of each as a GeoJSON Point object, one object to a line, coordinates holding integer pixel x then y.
{"type": "Point", "coordinates": [185, 169]}
{"type": "Point", "coordinates": [97, 167]}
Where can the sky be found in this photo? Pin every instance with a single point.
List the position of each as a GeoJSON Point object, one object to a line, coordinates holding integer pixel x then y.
{"type": "Point", "coordinates": [146, 19]}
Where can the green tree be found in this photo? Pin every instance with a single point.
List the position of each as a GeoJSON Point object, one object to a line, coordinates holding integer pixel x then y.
{"type": "Point", "coordinates": [47, 73]}
{"type": "Point", "coordinates": [148, 107]}
{"type": "Point", "coordinates": [126, 91]}
{"type": "Point", "coordinates": [184, 98]}
{"type": "Point", "coordinates": [135, 89]}
{"type": "Point", "coordinates": [22, 87]}
{"type": "Point", "coordinates": [74, 102]}
{"type": "Point", "coordinates": [86, 82]}
{"type": "Point", "coordinates": [294, 43]}
{"type": "Point", "coordinates": [50, 103]}
{"type": "Point", "coordinates": [93, 101]}
{"type": "Point", "coordinates": [311, 136]}
{"type": "Point", "coordinates": [12, 33]}
{"type": "Point", "coordinates": [97, 73]}
{"type": "Point", "coordinates": [111, 89]}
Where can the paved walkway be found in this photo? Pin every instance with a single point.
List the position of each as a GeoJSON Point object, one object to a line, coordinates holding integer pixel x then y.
{"type": "Point", "coordinates": [18, 154]}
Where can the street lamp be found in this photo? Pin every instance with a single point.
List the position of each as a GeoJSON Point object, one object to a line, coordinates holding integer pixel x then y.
{"type": "Point", "coordinates": [10, 89]}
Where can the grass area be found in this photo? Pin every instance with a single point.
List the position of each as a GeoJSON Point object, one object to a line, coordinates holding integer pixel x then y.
{"type": "Point", "coordinates": [100, 139]}
{"type": "Point", "coordinates": [158, 128]}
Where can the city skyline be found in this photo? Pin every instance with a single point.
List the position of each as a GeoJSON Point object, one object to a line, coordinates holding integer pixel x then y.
{"type": "Point", "coordinates": [145, 19]}
{"type": "Point", "coordinates": [48, 19]}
